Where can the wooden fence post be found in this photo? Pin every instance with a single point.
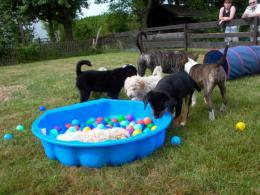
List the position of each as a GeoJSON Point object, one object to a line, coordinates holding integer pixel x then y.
{"type": "Point", "coordinates": [185, 37]}
{"type": "Point", "coordinates": [255, 31]}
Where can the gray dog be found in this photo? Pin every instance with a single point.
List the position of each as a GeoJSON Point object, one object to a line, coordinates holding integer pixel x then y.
{"type": "Point", "coordinates": [169, 60]}
{"type": "Point", "coordinates": [207, 76]}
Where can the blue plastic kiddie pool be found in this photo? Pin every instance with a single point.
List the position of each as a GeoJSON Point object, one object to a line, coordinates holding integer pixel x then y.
{"type": "Point", "coordinates": [98, 154]}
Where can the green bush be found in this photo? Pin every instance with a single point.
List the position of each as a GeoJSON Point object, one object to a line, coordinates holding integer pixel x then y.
{"type": "Point", "coordinates": [28, 53]}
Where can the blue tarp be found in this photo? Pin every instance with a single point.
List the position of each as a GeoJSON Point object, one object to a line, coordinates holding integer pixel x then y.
{"type": "Point", "coordinates": [240, 60]}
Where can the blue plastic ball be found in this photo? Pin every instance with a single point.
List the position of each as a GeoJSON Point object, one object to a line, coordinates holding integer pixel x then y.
{"type": "Point", "coordinates": [8, 136]}
{"type": "Point", "coordinates": [175, 140]}
{"type": "Point", "coordinates": [54, 133]}
{"type": "Point", "coordinates": [75, 122]}
{"type": "Point", "coordinates": [42, 108]}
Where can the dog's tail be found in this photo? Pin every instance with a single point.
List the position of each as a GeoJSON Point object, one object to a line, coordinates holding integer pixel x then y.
{"type": "Point", "coordinates": [221, 61]}
{"type": "Point", "coordinates": [79, 64]}
{"type": "Point", "coordinates": [139, 43]}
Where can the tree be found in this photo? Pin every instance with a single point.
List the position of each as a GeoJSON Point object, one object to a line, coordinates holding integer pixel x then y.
{"type": "Point", "coordinates": [60, 11]}
{"type": "Point", "coordinates": [14, 28]}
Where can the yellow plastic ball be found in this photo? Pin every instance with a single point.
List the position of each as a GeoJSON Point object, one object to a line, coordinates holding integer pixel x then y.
{"type": "Point", "coordinates": [136, 132]}
{"type": "Point", "coordinates": [153, 128]}
{"type": "Point", "coordinates": [86, 129]}
{"type": "Point", "coordinates": [241, 126]}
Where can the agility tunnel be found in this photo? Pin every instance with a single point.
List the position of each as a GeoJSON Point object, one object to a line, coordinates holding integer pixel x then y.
{"type": "Point", "coordinates": [240, 61]}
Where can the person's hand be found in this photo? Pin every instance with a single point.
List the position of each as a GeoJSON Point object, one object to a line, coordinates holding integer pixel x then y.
{"type": "Point", "coordinates": [245, 15]}
{"type": "Point", "coordinates": [220, 22]}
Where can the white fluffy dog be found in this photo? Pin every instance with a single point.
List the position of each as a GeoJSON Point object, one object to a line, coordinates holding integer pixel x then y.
{"type": "Point", "coordinates": [136, 86]}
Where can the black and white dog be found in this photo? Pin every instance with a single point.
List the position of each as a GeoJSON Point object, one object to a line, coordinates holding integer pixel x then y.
{"type": "Point", "coordinates": [110, 81]}
{"type": "Point", "coordinates": [170, 61]}
{"type": "Point", "coordinates": [168, 95]}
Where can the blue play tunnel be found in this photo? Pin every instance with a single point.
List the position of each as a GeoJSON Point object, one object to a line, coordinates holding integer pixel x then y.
{"type": "Point", "coordinates": [240, 61]}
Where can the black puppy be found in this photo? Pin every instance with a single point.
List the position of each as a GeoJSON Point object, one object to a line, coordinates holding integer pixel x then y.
{"type": "Point", "coordinates": [168, 94]}
{"type": "Point", "coordinates": [110, 81]}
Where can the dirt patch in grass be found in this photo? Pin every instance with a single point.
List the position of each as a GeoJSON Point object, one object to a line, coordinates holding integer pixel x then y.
{"type": "Point", "coordinates": [7, 91]}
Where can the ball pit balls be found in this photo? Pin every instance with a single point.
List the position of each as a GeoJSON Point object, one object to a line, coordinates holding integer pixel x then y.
{"type": "Point", "coordinates": [74, 122]}
{"type": "Point", "coordinates": [20, 128]}
{"type": "Point", "coordinates": [240, 126]}
{"type": "Point", "coordinates": [147, 120]}
{"type": "Point", "coordinates": [54, 133]}
{"type": "Point", "coordinates": [134, 126]}
{"type": "Point", "coordinates": [175, 140]}
{"type": "Point", "coordinates": [121, 118]}
{"type": "Point", "coordinates": [130, 117]}
{"type": "Point", "coordinates": [136, 132]}
{"type": "Point", "coordinates": [86, 129]}
{"type": "Point", "coordinates": [8, 136]}
{"type": "Point", "coordinates": [147, 130]}
{"type": "Point", "coordinates": [153, 127]}
{"type": "Point", "coordinates": [42, 108]}
{"type": "Point", "coordinates": [138, 127]}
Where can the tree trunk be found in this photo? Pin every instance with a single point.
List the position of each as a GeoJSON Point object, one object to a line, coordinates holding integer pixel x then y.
{"type": "Point", "coordinates": [147, 10]}
{"type": "Point", "coordinates": [67, 24]}
{"type": "Point", "coordinates": [51, 31]}
{"type": "Point", "coordinates": [20, 24]}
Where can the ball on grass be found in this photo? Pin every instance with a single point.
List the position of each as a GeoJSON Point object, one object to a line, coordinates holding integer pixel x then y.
{"type": "Point", "coordinates": [240, 126]}
{"type": "Point", "coordinates": [8, 136]}
{"type": "Point", "coordinates": [20, 128]}
{"type": "Point", "coordinates": [42, 108]}
{"type": "Point", "coordinates": [175, 140]}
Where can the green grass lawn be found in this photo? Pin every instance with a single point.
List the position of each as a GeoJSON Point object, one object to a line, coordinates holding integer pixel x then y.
{"type": "Point", "coordinates": [213, 158]}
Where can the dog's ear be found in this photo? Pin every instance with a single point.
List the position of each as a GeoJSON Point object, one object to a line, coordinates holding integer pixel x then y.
{"type": "Point", "coordinates": [146, 99]}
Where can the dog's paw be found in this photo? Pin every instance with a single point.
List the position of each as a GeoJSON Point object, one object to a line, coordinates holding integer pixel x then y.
{"type": "Point", "coordinates": [212, 115]}
{"type": "Point", "coordinates": [223, 108]}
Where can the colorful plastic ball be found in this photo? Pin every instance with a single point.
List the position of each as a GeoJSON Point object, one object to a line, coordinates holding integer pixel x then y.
{"type": "Point", "coordinates": [175, 140]}
{"type": "Point", "coordinates": [124, 123]}
{"type": "Point", "coordinates": [110, 123]}
{"type": "Point", "coordinates": [91, 126]}
{"type": "Point", "coordinates": [147, 120]}
{"type": "Point", "coordinates": [129, 117]}
{"type": "Point", "coordinates": [140, 121]}
{"type": "Point", "coordinates": [54, 132]}
{"type": "Point", "coordinates": [146, 130]}
{"type": "Point", "coordinates": [117, 124]}
{"type": "Point", "coordinates": [138, 127]}
{"type": "Point", "coordinates": [132, 123]}
{"type": "Point", "coordinates": [150, 125]}
{"type": "Point", "coordinates": [130, 131]}
{"type": "Point", "coordinates": [114, 120]}
{"type": "Point", "coordinates": [86, 129]}
{"type": "Point", "coordinates": [42, 108]}
{"type": "Point", "coordinates": [136, 132]}
{"type": "Point", "coordinates": [91, 120]}
{"type": "Point", "coordinates": [121, 118]}
{"type": "Point", "coordinates": [241, 126]}
{"type": "Point", "coordinates": [8, 136]}
{"type": "Point", "coordinates": [153, 128]}
{"type": "Point", "coordinates": [20, 128]}
{"type": "Point", "coordinates": [57, 127]}
{"type": "Point", "coordinates": [72, 129]}
{"type": "Point", "coordinates": [68, 125]}
{"type": "Point", "coordinates": [106, 120]}
{"type": "Point", "coordinates": [99, 120]}
{"type": "Point", "coordinates": [101, 126]}
{"type": "Point", "coordinates": [74, 122]}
